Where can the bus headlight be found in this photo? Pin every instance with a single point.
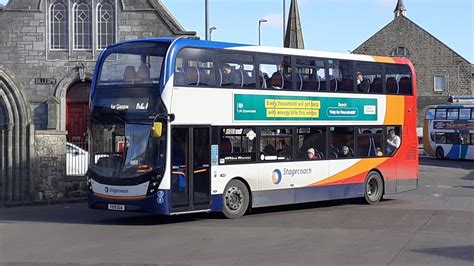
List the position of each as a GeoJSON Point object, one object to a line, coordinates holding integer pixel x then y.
{"type": "Point", "coordinates": [152, 187]}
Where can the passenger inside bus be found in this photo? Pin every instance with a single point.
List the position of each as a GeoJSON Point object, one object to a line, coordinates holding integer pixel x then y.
{"type": "Point", "coordinates": [276, 81]}
{"type": "Point", "coordinates": [363, 84]}
{"type": "Point", "coordinates": [129, 74]}
{"type": "Point", "coordinates": [229, 76]}
{"type": "Point", "coordinates": [345, 152]}
{"type": "Point", "coordinates": [143, 73]}
{"type": "Point", "coordinates": [312, 154]}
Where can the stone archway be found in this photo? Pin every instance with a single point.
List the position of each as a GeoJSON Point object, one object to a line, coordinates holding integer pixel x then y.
{"type": "Point", "coordinates": [16, 139]}
{"type": "Point", "coordinates": [60, 96]}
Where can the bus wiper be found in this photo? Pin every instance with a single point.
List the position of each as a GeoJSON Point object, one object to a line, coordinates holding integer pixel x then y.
{"type": "Point", "coordinates": [168, 117]}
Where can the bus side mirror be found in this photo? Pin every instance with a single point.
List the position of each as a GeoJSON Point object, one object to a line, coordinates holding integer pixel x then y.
{"type": "Point", "coordinates": [157, 129]}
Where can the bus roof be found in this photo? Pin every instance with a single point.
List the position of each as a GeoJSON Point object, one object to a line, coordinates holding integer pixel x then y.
{"type": "Point", "coordinates": [181, 42]}
{"type": "Point", "coordinates": [449, 106]}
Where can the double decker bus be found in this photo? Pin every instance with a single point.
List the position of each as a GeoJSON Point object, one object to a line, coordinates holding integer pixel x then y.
{"type": "Point", "coordinates": [448, 129]}
{"type": "Point", "coordinates": [183, 125]}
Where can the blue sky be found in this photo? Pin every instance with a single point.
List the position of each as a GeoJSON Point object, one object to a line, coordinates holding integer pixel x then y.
{"type": "Point", "coordinates": [328, 25]}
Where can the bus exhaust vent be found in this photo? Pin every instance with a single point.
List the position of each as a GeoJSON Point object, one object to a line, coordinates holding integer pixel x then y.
{"type": "Point", "coordinates": [412, 153]}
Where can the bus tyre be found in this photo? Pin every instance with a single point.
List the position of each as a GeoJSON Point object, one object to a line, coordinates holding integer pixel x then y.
{"type": "Point", "coordinates": [439, 153]}
{"type": "Point", "coordinates": [236, 199]}
{"type": "Point", "coordinates": [373, 188]}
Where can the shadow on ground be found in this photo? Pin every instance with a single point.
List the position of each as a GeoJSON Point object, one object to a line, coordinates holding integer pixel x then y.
{"type": "Point", "coordinates": [79, 213]}
{"type": "Point", "coordinates": [457, 252]}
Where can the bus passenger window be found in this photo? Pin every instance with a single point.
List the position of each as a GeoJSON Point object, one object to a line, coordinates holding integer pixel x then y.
{"type": "Point", "coordinates": [430, 114]}
{"type": "Point", "coordinates": [341, 76]}
{"type": "Point", "coordinates": [275, 72]}
{"type": "Point", "coordinates": [237, 145]}
{"type": "Point", "coordinates": [341, 142]}
{"type": "Point", "coordinates": [236, 71]}
{"type": "Point", "coordinates": [440, 113]}
{"type": "Point", "coordinates": [453, 114]}
{"type": "Point", "coordinates": [370, 78]}
{"type": "Point", "coordinates": [464, 114]}
{"type": "Point", "coordinates": [440, 138]}
{"type": "Point", "coordinates": [398, 79]}
{"type": "Point", "coordinates": [276, 144]}
{"type": "Point", "coordinates": [311, 143]}
{"type": "Point", "coordinates": [195, 67]}
{"type": "Point", "coordinates": [369, 142]}
{"type": "Point", "coordinates": [393, 140]}
{"type": "Point", "coordinates": [310, 75]}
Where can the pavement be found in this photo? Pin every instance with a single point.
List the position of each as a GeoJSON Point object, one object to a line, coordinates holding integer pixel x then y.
{"type": "Point", "coordinates": [433, 225]}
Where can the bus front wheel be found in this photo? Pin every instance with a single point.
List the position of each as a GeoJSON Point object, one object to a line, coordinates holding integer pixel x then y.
{"type": "Point", "coordinates": [236, 199]}
{"type": "Point", "coordinates": [373, 188]}
{"type": "Point", "coordinates": [439, 153]}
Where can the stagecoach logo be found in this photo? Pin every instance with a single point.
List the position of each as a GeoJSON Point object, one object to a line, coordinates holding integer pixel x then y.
{"type": "Point", "coordinates": [276, 176]}
{"type": "Point", "coordinates": [115, 190]}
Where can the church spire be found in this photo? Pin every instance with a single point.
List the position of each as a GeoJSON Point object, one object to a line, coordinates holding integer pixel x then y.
{"type": "Point", "coordinates": [400, 9]}
{"type": "Point", "coordinates": [294, 33]}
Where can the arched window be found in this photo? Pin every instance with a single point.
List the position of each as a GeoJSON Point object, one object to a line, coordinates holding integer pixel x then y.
{"type": "Point", "coordinates": [401, 51]}
{"type": "Point", "coordinates": [59, 30]}
{"type": "Point", "coordinates": [105, 24]}
{"type": "Point", "coordinates": [82, 12]}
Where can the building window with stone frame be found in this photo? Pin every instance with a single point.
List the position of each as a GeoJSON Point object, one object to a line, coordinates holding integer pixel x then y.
{"type": "Point", "coordinates": [439, 83]}
{"type": "Point", "coordinates": [106, 24]}
{"type": "Point", "coordinates": [401, 51]}
{"type": "Point", "coordinates": [59, 25]}
{"type": "Point", "coordinates": [82, 29]}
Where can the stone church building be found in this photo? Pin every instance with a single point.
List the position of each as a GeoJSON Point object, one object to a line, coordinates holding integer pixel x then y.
{"type": "Point", "coordinates": [48, 50]}
{"type": "Point", "coordinates": [441, 72]}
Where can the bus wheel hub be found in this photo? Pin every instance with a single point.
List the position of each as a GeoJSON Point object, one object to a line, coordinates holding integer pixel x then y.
{"type": "Point", "coordinates": [233, 198]}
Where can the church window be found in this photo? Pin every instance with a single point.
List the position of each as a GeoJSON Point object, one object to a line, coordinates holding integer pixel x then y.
{"type": "Point", "coordinates": [59, 28]}
{"type": "Point", "coordinates": [401, 51]}
{"type": "Point", "coordinates": [82, 13]}
{"type": "Point", "coordinates": [439, 83]}
{"type": "Point", "coordinates": [105, 24]}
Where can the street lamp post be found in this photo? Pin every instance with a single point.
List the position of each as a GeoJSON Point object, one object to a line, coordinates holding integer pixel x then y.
{"type": "Point", "coordinates": [211, 29]}
{"type": "Point", "coordinates": [260, 21]}
{"type": "Point", "coordinates": [206, 18]}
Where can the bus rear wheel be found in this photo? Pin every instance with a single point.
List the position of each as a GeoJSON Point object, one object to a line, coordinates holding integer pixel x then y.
{"type": "Point", "coordinates": [439, 153]}
{"type": "Point", "coordinates": [236, 199]}
{"type": "Point", "coordinates": [373, 188]}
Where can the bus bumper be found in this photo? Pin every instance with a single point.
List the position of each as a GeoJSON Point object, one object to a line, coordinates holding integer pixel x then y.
{"type": "Point", "coordinates": [158, 203]}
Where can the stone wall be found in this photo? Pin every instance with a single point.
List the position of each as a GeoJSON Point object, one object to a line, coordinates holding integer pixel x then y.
{"type": "Point", "coordinates": [49, 168]}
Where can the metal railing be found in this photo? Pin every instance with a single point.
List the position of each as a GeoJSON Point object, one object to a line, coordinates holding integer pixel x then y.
{"type": "Point", "coordinates": [77, 158]}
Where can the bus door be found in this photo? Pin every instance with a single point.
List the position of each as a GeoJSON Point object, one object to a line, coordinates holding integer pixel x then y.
{"type": "Point", "coordinates": [190, 162]}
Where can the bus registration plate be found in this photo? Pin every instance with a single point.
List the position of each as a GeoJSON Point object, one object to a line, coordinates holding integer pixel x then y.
{"type": "Point", "coordinates": [116, 207]}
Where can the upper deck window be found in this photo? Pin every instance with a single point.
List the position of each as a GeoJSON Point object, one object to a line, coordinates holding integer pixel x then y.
{"type": "Point", "coordinates": [398, 79]}
{"type": "Point", "coordinates": [195, 67]}
{"type": "Point", "coordinates": [133, 63]}
{"type": "Point", "coordinates": [453, 114]}
{"type": "Point", "coordinates": [310, 75]}
{"type": "Point", "coordinates": [464, 114]}
{"type": "Point", "coordinates": [430, 114]}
